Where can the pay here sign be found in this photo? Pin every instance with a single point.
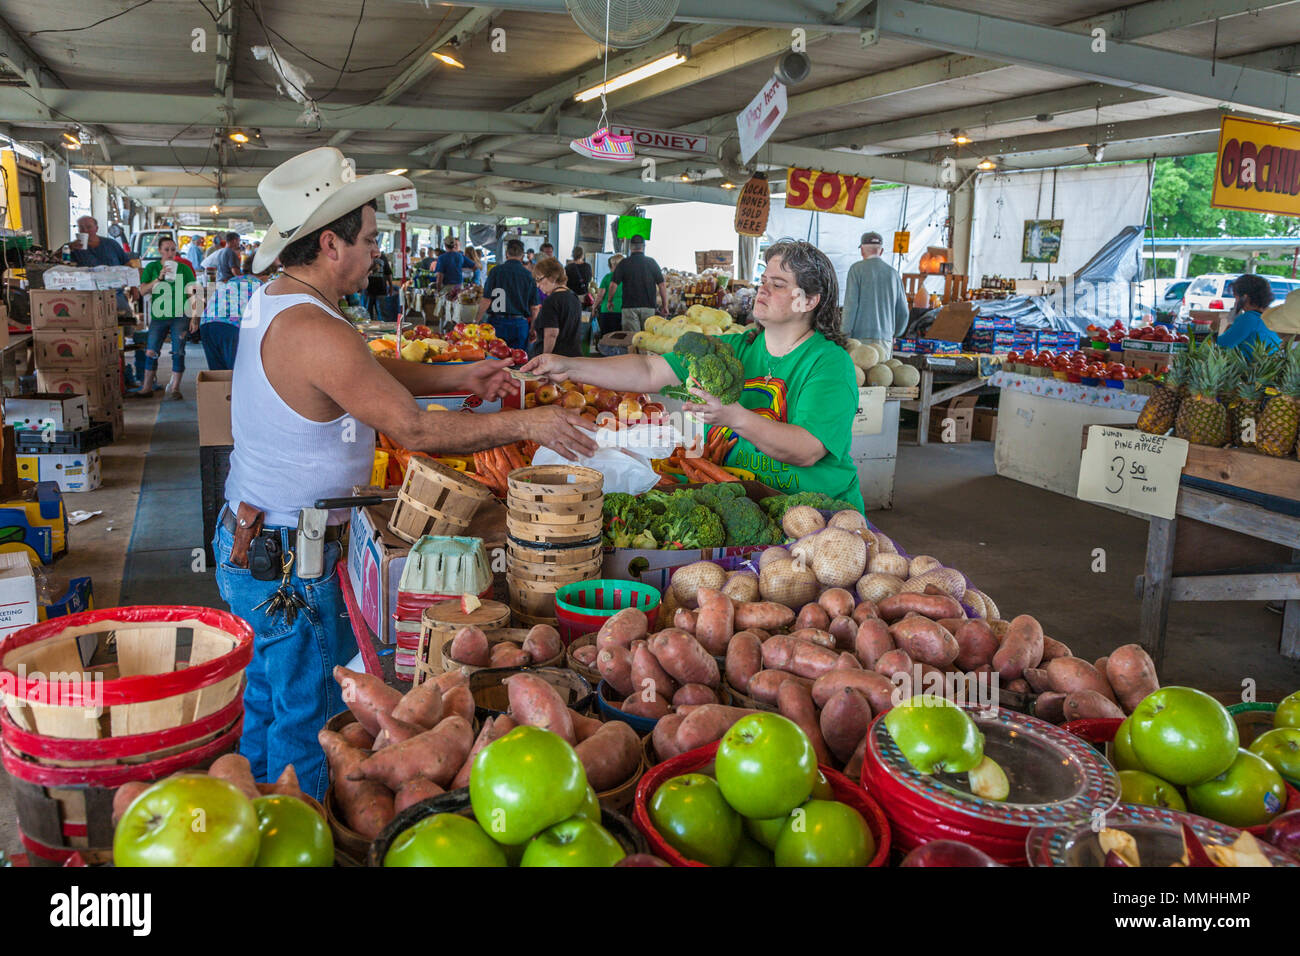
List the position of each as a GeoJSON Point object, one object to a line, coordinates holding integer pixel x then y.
{"type": "Point", "coordinates": [826, 192]}
{"type": "Point", "coordinates": [1258, 168]}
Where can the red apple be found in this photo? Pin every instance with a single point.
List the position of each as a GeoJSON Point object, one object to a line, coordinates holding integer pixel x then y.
{"type": "Point", "coordinates": [1284, 833]}
{"type": "Point", "coordinates": [548, 394]}
{"type": "Point", "coordinates": [948, 853]}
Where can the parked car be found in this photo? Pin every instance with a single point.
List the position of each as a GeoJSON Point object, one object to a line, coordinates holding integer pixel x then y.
{"type": "Point", "coordinates": [1214, 292]}
{"type": "Point", "coordinates": [1168, 305]}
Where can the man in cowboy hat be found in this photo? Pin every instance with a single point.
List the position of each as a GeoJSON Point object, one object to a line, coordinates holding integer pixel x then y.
{"type": "Point", "coordinates": [306, 400]}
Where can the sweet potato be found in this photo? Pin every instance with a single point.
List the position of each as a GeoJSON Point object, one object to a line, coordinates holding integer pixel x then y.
{"type": "Point", "coordinates": [694, 694]}
{"type": "Point", "coordinates": [684, 658]}
{"type": "Point", "coordinates": [536, 703]}
{"type": "Point", "coordinates": [421, 705]}
{"type": "Point", "coordinates": [845, 633]}
{"type": "Point", "coordinates": [976, 644]}
{"type": "Point", "coordinates": [235, 768]}
{"type": "Point", "coordinates": [1069, 674]}
{"type": "Point", "coordinates": [623, 628]}
{"type": "Point", "coordinates": [1050, 706]}
{"type": "Point", "coordinates": [933, 606]}
{"type": "Point", "coordinates": [615, 665]}
{"type": "Point", "coordinates": [470, 646]}
{"type": "Point", "coordinates": [584, 726]}
{"type": "Point", "coordinates": [812, 615]}
{"type": "Point", "coordinates": [648, 705]}
{"type": "Point", "coordinates": [1018, 686]}
{"type": "Point", "coordinates": [740, 586]}
{"type": "Point", "coordinates": [1132, 675]}
{"type": "Point", "coordinates": [125, 795]}
{"type": "Point", "coordinates": [436, 754]}
{"type": "Point", "coordinates": [766, 684]}
{"type": "Point", "coordinates": [744, 659]}
{"type": "Point", "coordinates": [395, 731]}
{"type": "Point", "coordinates": [872, 641]}
{"type": "Point", "coordinates": [357, 736]}
{"type": "Point", "coordinates": [610, 756]}
{"type": "Point", "coordinates": [865, 610]}
{"type": "Point", "coordinates": [542, 643]}
{"type": "Point", "coordinates": [1038, 679]}
{"type": "Point", "coordinates": [365, 696]}
{"type": "Point", "coordinates": [366, 806]}
{"type": "Point", "coordinates": [714, 621]}
{"type": "Point", "coordinates": [703, 725]}
{"type": "Point", "coordinates": [895, 662]}
{"type": "Point", "coordinates": [925, 641]}
{"type": "Point", "coordinates": [768, 615]}
{"type": "Point", "coordinates": [951, 624]}
{"type": "Point", "coordinates": [838, 602]}
{"type": "Point", "coordinates": [1021, 648]}
{"type": "Point", "coordinates": [684, 619]}
{"type": "Point", "coordinates": [815, 635]}
{"type": "Point", "coordinates": [664, 737]}
{"type": "Point", "coordinates": [505, 654]}
{"type": "Point", "coordinates": [877, 689]}
{"type": "Point", "coordinates": [806, 659]}
{"type": "Point", "coordinates": [1088, 703]}
{"type": "Point", "coordinates": [647, 672]}
{"type": "Point", "coordinates": [490, 731]}
{"type": "Point", "coordinates": [1053, 649]}
{"type": "Point", "coordinates": [844, 721]}
{"type": "Point", "coordinates": [795, 701]}
{"type": "Point", "coordinates": [586, 655]}
{"type": "Point", "coordinates": [853, 769]}
{"type": "Point", "coordinates": [458, 701]}
{"type": "Point", "coordinates": [449, 679]}
{"type": "Point", "coordinates": [847, 662]}
{"type": "Point", "coordinates": [414, 791]}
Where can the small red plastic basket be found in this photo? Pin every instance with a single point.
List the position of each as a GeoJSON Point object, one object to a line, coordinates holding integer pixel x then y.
{"type": "Point", "coordinates": [846, 791]}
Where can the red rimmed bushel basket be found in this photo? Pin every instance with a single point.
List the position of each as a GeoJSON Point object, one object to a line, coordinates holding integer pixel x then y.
{"type": "Point", "coordinates": [101, 698]}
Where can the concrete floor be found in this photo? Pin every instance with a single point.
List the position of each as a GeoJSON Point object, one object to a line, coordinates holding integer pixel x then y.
{"type": "Point", "coordinates": [1031, 550]}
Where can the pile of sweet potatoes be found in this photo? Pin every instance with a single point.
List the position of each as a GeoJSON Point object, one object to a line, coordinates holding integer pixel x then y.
{"type": "Point", "coordinates": [1069, 688]}
{"type": "Point", "coordinates": [470, 646]}
{"type": "Point", "coordinates": [233, 768]}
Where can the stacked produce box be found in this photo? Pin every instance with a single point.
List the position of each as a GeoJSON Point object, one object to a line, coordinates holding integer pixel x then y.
{"type": "Point", "coordinates": [77, 350]}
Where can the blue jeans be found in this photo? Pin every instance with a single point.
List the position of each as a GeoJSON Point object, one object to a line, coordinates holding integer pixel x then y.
{"type": "Point", "coordinates": [289, 689]}
{"type": "Point", "coordinates": [220, 340]}
{"type": "Point", "coordinates": [158, 330]}
{"type": "Point", "coordinates": [513, 331]}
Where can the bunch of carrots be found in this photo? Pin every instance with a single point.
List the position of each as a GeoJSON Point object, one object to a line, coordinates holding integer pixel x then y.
{"type": "Point", "coordinates": [492, 467]}
{"type": "Point", "coordinates": [706, 467]}
{"type": "Point", "coordinates": [398, 459]}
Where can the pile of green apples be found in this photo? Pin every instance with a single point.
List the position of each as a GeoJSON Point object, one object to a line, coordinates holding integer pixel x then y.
{"type": "Point", "coordinates": [1180, 737]}
{"type": "Point", "coordinates": [531, 805]}
{"type": "Point", "coordinates": [765, 804]}
{"type": "Point", "coordinates": [193, 819]}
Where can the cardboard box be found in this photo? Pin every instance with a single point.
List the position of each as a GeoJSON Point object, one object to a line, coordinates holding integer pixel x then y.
{"type": "Point", "coordinates": [714, 259]}
{"type": "Point", "coordinates": [75, 348]}
{"type": "Point", "coordinates": [60, 309]}
{"type": "Point", "coordinates": [953, 322]}
{"type": "Point", "coordinates": [985, 427]}
{"type": "Point", "coordinates": [72, 381]}
{"type": "Point", "coordinates": [17, 592]}
{"type": "Point", "coordinates": [213, 391]}
{"type": "Point", "coordinates": [66, 413]}
{"type": "Point", "coordinates": [79, 472]}
{"type": "Point", "coordinates": [38, 513]}
{"type": "Point", "coordinates": [962, 412]}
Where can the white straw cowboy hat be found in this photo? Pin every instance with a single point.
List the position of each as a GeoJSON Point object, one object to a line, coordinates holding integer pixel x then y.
{"type": "Point", "coordinates": [312, 190]}
{"type": "Point", "coordinates": [1284, 319]}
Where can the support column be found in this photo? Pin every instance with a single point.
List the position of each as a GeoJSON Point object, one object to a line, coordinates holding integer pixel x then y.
{"type": "Point", "coordinates": [961, 207]}
{"type": "Point", "coordinates": [1183, 262]}
{"type": "Point", "coordinates": [58, 197]}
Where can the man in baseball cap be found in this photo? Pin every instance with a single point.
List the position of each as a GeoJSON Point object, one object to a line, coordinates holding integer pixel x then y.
{"type": "Point", "coordinates": [872, 239]}
{"type": "Point", "coordinates": [875, 307]}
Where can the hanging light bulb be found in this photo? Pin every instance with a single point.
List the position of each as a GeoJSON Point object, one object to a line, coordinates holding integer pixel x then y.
{"type": "Point", "coordinates": [961, 137]}
{"type": "Point", "coordinates": [986, 164]}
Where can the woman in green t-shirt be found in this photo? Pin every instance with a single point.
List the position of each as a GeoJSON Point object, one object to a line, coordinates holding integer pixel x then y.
{"type": "Point", "coordinates": [169, 285]}
{"type": "Point", "coordinates": [794, 418]}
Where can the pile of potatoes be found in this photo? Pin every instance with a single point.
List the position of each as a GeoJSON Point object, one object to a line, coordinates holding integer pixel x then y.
{"type": "Point", "coordinates": [1070, 688]}
{"type": "Point", "coordinates": [403, 749]}
{"type": "Point", "coordinates": [233, 768]}
{"type": "Point", "coordinates": [470, 646]}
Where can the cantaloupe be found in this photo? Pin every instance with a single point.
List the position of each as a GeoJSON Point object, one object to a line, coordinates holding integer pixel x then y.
{"type": "Point", "coordinates": [880, 375]}
{"type": "Point", "coordinates": [907, 376]}
{"type": "Point", "coordinates": [894, 363]}
{"type": "Point", "coordinates": [864, 356]}
{"type": "Point", "coordinates": [860, 374]}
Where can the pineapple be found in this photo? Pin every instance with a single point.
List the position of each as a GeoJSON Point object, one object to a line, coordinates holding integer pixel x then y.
{"type": "Point", "coordinates": [1255, 374]}
{"type": "Point", "coordinates": [1202, 419]}
{"type": "Point", "coordinates": [1275, 432]}
{"type": "Point", "coordinates": [1158, 414]}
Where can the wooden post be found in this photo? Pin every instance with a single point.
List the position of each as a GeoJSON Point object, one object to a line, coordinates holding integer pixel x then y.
{"type": "Point", "coordinates": [1289, 644]}
{"type": "Point", "coordinates": [923, 409]}
{"type": "Point", "coordinates": [1156, 587]}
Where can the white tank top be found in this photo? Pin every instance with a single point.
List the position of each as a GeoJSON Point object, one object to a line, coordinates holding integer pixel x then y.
{"type": "Point", "coordinates": [283, 462]}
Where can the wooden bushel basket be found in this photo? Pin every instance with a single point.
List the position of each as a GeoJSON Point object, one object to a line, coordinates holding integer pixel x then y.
{"type": "Point", "coordinates": [439, 624]}
{"type": "Point", "coordinates": [554, 504]}
{"type": "Point", "coordinates": [435, 499]}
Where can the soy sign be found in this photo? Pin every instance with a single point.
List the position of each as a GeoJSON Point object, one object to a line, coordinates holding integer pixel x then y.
{"type": "Point", "coordinates": [1258, 168]}
{"type": "Point", "coordinates": [826, 192]}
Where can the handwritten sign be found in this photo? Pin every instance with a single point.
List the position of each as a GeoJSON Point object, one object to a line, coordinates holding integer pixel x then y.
{"type": "Point", "coordinates": [1130, 469]}
{"type": "Point", "coordinates": [400, 200]}
{"type": "Point", "coordinates": [902, 241]}
{"type": "Point", "coordinates": [761, 117]}
{"type": "Point", "coordinates": [752, 207]}
{"type": "Point", "coordinates": [870, 416]}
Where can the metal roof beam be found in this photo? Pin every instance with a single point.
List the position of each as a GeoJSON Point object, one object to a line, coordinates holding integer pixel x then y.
{"type": "Point", "coordinates": [1188, 144]}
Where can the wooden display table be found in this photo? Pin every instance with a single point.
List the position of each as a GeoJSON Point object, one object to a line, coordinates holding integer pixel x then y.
{"type": "Point", "coordinates": [959, 373]}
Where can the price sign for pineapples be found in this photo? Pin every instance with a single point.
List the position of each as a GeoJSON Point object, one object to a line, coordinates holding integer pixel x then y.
{"type": "Point", "coordinates": [1130, 469]}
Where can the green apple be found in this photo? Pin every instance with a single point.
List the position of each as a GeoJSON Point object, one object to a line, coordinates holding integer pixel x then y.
{"type": "Point", "coordinates": [1121, 751]}
{"type": "Point", "coordinates": [1183, 735]}
{"type": "Point", "coordinates": [822, 788]}
{"type": "Point", "coordinates": [765, 832]}
{"type": "Point", "coordinates": [1249, 793]}
{"type": "Point", "coordinates": [524, 782]}
{"type": "Point", "coordinates": [573, 842]}
{"type": "Point", "coordinates": [694, 818]}
{"type": "Point", "coordinates": [1281, 748]}
{"type": "Point", "coordinates": [293, 834]}
{"type": "Point", "coordinates": [1138, 786]}
{"type": "Point", "coordinates": [444, 839]}
{"type": "Point", "coordinates": [935, 735]}
{"type": "Point", "coordinates": [188, 820]}
{"type": "Point", "coordinates": [1288, 711]}
{"type": "Point", "coordinates": [591, 806]}
{"type": "Point", "coordinates": [752, 853]}
{"type": "Point", "coordinates": [825, 833]}
{"type": "Point", "coordinates": [765, 766]}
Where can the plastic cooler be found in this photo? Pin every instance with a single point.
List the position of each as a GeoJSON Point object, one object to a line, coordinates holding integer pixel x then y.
{"type": "Point", "coordinates": [582, 607]}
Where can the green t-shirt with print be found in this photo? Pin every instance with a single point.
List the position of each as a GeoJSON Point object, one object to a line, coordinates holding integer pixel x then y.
{"type": "Point", "coordinates": [167, 299]}
{"type": "Point", "coordinates": [813, 387]}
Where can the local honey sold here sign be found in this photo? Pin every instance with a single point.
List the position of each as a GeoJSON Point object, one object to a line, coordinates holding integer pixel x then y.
{"type": "Point", "coordinates": [1258, 167]}
{"type": "Point", "coordinates": [826, 192]}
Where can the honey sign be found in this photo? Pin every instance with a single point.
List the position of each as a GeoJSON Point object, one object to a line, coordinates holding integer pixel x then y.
{"type": "Point", "coordinates": [752, 206]}
{"type": "Point", "coordinates": [1258, 167]}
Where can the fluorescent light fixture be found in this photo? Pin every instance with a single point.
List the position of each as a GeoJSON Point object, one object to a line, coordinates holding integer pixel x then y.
{"type": "Point", "coordinates": [986, 164]}
{"type": "Point", "coordinates": [396, 172]}
{"type": "Point", "coordinates": [448, 59]}
{"type": "Point", "coordinates": [961, 137]}
{"type": "Point", "coordinates": [645, 71]}
{"type": "Point", "coordinates": [728, 185]}
{"type": "Point", "coordinates": [71, 141]}
{"type": "Point", "coordinates": [238, 136]}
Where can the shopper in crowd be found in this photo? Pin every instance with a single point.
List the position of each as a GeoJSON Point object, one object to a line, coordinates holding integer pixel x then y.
{"type": "Point", "coordinates": [794, 418]}
{"type": "Point", "coordinates": [577, 273]}
{"type": "Point", "coordinates": [875, 307]}
{"type": "Point", "coordinates": [189, 251]}
{"type": "Point", "coordinates": [1254, 295]}
{"type": "Point", "coordinates": [1284, 318]}
{"type": "Point", "coordinates": [378, 285]}
{"type": "Point", "coordinates": [228, 261]}
{"type": "Point", "coordinates": [530, 258]}
{"type": "Point", "coordinates": [223, 309]}
{"type": "Point", "coordinates": [559, 320]}
{"type": "Point", "coordinates": [607, 309]}
{"type": "Point", "coordinates": [449, 270]}
{"type": "Point", "coordinates": [213, 259]}
{"type": "Point", "coordinates": [473, 262]}
{"type": "Point", "coordinates": [167, 283]}
{"type": "Point", "coordinates": [99, 251]}
{"type": "Point", "coordinates": [510, 297]}
{"type": "Point", "coordinates": [426, 260]}
{"type": "Point", "coordinates": [547, 251]}
{"type": "Point", "coordinates": [639, 278]}
{"type": "Point", "coordinates": [304, 419]}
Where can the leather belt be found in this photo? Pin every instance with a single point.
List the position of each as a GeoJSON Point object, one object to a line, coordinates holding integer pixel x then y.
{"type": "Point", "coordinates": [228, 521]}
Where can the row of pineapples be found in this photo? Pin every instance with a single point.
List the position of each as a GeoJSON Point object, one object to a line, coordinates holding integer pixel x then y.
{"type": "Point", "coordinates": [1213, 396]}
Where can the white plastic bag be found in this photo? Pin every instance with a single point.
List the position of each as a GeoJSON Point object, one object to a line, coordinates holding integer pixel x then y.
{"type": "Point", "coordinates": [624, 456]}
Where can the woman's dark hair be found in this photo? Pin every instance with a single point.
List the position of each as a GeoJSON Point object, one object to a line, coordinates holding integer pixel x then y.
{"type": "Point", "coordinates": [815, 275]}
{"type": "Point", "coordinates": [1256, 288]}
{"type": "Point", "coordinates": [578, 253]}
{"type": "Point", "coordinates": [303, 251]}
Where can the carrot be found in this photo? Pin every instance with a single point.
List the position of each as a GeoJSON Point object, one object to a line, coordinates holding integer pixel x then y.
{"type": "Point", "coordinates": [666, 482]}
{"type": "Point", "coordinates": [513, 456]}
{"type": "Point", "coordinates": [713, 472]}
{"type": "Point", "coordinates": [384, 442]}
{"type": "Point", "coordinates": [481, 478]}
{"type": "Point", "coordinates": [502, 462]}
{"type": "Point", "coordinates": [690, 467]}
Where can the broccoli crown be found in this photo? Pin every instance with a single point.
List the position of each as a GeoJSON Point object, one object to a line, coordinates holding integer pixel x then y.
{"type": "Point", "coordinates": [697, 528]}
{"type": "Point", "coordinates": [746, 524]}
{"type": "Point", "coordinates": [777, 505]}
{"type": "Point", "coordinates": [713, 365]}
{"type": "Point", "coordinates": [657, 501]}
{"type": "Point", "coordinates": [625, 517]}
{"type": "Point", "coordinates": [682, 501]}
